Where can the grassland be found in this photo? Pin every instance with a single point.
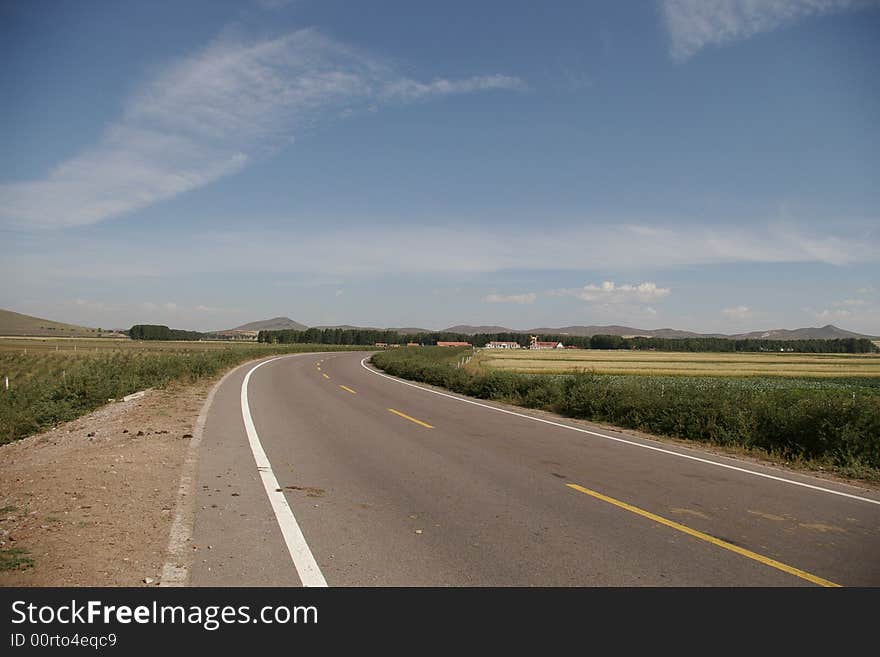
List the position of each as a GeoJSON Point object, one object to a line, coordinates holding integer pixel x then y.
{"type": "Point", "coordinates": [53, 381]}
{"type": "Point", "coordinates": [658, 363]}
{"type": "Point", "coordinates": [12, 323]}
{"type": "Point", "coordinates": [830, 422]}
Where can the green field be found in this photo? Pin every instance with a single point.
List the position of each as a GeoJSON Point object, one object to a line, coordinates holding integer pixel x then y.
{"type": "Point", "coordinates": [828, 418]}
{"type": "Point", "coordinates": [655, 363]}
{"type": "Point", "coordinates": [53, 381]}
{"type": "Point", "coordinates": [79, 344]}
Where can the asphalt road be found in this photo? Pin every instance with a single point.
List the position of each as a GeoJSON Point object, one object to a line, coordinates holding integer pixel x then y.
{"type": "Point", "coordinates": [390, 484]}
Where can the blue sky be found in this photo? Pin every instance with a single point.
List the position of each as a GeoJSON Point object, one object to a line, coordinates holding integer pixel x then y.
{"type": "Point", "coordinates": [702, 164]}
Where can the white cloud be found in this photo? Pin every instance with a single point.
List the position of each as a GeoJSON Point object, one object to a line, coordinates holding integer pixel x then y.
{"type": "Point", "coordinates": [851, 302]}
{"type": "Point", "coordinates": [339, 293]}
{"type": "Point", "coordinates": [694, 24]}
{"type": "Point", "coordinates": [170, 306]}
{"type": "Point", "coordinates": [529, 297]}
{"type": "Point", "coordinates": [838, 313]}
{"type": "Point", "coordinates": [737, 312]}
{"type": "Point", "coordinates": [410, 90]}
{"type": "Point", "coordinates": [90, 305]}
{"type": "Point", "coordinates": [208, 115]}
{"type": "Point", "coordinates": [611, 292]}
{"type": "Point", "coordinates": [334, 255]}
{"type": "Point", "coordinates": [275, 4]}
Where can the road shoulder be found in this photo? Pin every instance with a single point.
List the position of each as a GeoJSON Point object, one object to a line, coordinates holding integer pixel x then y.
{"type": "Point", "coordinates": [91, 502]}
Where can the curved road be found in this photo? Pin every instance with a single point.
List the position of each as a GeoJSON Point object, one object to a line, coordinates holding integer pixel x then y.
{"type": "Point", "coordinates": [368, 480]}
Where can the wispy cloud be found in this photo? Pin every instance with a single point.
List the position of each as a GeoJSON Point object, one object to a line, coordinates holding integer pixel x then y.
{"type": "Point", "coordinates": [737, 312]}
{"type": "Point", "coordinates": [335, 254]}
{"type": "Point", "coordinates": [275, 4]}
{"type": "Point", "coordinates": [411, 90]}
{"type": "Point", "coordinates": [90, 305]}
{"type": "Point", "coordinates": [207, 116]}
{"type": "Point", "coordinates": [695, 24]}
{"type": "Point", "coordinates": [611, 292]}
{"type": "Point", "coordinates": [837, 313]}
{"type": "Point", "coordinates": [528, 297]}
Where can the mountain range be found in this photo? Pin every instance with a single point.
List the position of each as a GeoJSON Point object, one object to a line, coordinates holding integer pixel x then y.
{"type": "Point", "coordinates": [17, 324]}
{"type": "Point", "coordinates": [827, 332]}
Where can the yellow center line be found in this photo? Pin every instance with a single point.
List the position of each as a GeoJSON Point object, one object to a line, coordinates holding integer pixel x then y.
{"type": "Point", "coordinates": [411, 419]}
{"type": "Point", "coordinates": [347, 389]}
{"type": "Point", "coordinates": [767, 561]}
{"type": "Point", "coordinates": [326, 376]}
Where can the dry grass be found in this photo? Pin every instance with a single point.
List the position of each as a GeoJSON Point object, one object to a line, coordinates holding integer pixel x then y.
{"type": "Point", "coordinates": [683, 364]}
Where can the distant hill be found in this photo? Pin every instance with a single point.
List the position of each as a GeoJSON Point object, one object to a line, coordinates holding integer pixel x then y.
{"type": "Point", "coordinates": [471, 330]}
{"type": "Point", "coordinates": [827, 332]}
{"type": "Point", "coordinates": [274, 324]}
{"type": "Point", "coordinates": [16, 324]}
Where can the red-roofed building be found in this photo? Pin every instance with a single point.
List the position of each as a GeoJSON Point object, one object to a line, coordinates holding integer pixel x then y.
{"type": "Point", "coordinates": [537, 344]}
{"type": "Point", "coordinates": [453, 344]}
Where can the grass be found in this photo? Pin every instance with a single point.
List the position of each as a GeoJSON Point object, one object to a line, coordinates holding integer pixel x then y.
{"type": "Point", "coordinates": [686, 364]}
{"type": "Point", "coordinates": [12, 323]}
{"type": "Point", "coordinates": [15, 559]}
{"type": "Point", "coordinates": [49, 386]}
{"type": "Point", "coordinates": [830, 423]}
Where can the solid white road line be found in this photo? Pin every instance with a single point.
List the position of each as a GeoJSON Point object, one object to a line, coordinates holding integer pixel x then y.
{"type": "Point", "coordinates": [175, 572]}
{"type": "Point", "coordinates": [623, 440]}
{"type": "Point", "coordinates": [306, 566]}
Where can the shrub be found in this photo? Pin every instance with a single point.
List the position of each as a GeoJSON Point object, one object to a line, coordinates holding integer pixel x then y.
{"type": "Point", "coordinates": [793, 419]}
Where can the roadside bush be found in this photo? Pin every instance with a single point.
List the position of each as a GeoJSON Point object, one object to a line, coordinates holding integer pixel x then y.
{"type": "Point", "coordinates": [49, 388]}
{"type": "Point", "coordinates": [793, 419]}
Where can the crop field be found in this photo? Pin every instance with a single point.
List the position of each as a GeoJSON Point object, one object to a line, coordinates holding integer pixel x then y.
{"type": "Point", "coordinates": [658, 363]}
{"type": "Point", "coordinates": [820, 411]}
{"type": "Point", "coordinates": [85, 345]}
{"type": "Point", "coordinates": [56, 380]}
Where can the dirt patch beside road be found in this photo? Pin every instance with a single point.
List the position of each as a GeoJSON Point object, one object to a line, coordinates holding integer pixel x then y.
{"type": "Point", "coordinates": [91, 502]}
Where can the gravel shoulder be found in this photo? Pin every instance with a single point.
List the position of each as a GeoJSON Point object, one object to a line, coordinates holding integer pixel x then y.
{"type": "Point", "coordinates": [91, 502]}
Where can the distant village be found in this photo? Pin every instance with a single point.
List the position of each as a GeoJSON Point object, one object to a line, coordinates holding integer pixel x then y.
{"type": "Point", "coordinates": [534, 343]}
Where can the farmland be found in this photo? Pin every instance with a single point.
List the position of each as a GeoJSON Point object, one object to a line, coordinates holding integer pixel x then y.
{"type": "Point", "coordinates": [55, 380]}
{"type": "Point", "coordinates": [741, 364]}
{"type": "Point", "coordinates": [780, 406]}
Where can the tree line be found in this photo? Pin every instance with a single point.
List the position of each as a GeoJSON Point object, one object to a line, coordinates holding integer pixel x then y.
{"type": "Point", "coordinates": [160, 332]}
{"type": "Point", "coordinates": [373, 336]}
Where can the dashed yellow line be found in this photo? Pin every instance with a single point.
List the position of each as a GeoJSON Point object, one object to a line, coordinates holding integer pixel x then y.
{"type": "Point", "coordinates": [347, 389]}
{"type": "Point", "coordinates": [411, 419]}
{"type": "Point", "coordinates": [326, 376]}
{"type": "Point", "coordinates": [767, 561]}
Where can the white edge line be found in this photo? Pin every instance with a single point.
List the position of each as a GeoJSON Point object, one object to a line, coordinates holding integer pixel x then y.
{"type": "Point", "coordinates": [175, 572]}
{"type": "Point", "coordinates": [303, 559]}
{"type": "Point", "coordinates": [623, 440]}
